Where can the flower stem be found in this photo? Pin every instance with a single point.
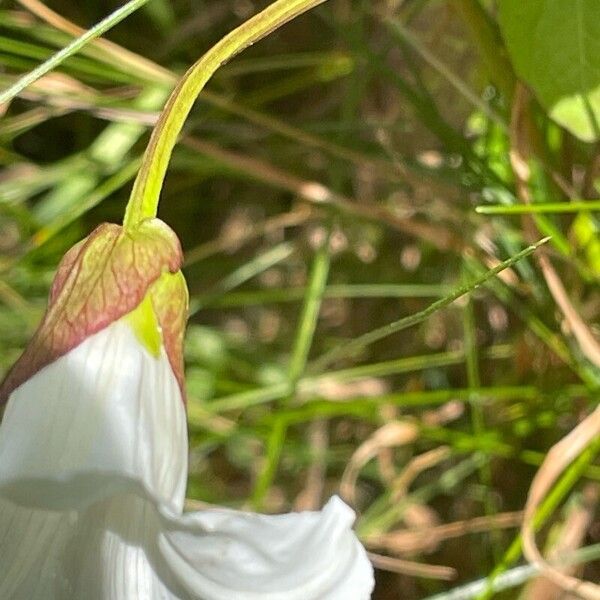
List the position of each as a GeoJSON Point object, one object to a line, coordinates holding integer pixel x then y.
{"type": "Point", "coordinates": [143, 202]}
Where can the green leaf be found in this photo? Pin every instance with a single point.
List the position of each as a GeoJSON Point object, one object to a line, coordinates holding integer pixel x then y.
{"type": "Point", "coordinates": [555, 49]}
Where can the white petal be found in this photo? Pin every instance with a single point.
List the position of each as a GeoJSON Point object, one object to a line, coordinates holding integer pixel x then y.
{"type": "Point", "coordinates": [107, 408]}
{"type": "Point", "coordinates": [99, 424]}
{"type": "Point", "coordinates": [221, 555]}
{"type": "Point", "coordinates": [30, 552]}
{"type": "Point", "coordinates": [93, 461]}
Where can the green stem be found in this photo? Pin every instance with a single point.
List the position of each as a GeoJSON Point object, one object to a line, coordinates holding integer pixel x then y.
{"type": "Point", "coordinates": [143, 202]}
{"type": "Point", "coordinates": [478, 424]}
{"type": "Point", "coordinates": [275, 445]}
{"type": "Point", "coordinates": [310, 313]}
{"type": "Point", "coordinates": [546, 207]}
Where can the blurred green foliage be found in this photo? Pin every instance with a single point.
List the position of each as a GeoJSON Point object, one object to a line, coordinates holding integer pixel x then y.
{"type": "Point", "coordinates": [343, 174]}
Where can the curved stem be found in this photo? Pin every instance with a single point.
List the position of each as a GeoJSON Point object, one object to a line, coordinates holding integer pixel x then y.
{"type": "Point", "coordinates": [143, 201]}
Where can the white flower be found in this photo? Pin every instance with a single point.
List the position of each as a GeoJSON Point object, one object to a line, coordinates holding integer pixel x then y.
{"type": "Point", "coordinates": [93, 468]}
{"type": "Point", "coordinates": [93, 455]}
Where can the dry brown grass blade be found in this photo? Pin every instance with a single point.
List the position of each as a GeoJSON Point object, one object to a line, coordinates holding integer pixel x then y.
{"type": "Point", "coordinates": [228, 242]}
{"type": "Point", "coordinates": [397, 433]}
{"type": "Point", "coordinates": [385, 457]}
{"type": "Point", "coordinates": [151, 70]}
{"type": "Point", "coordinates": [448, 412]}
{"type": "Point", "coordinates": [411, 568]}
{"type": "Point", "coordinates": [520, 127]}
{"type": "Point", "coordinates": [588, 344]}
{"type": "Point", "coordinates": [319, 194]}
{"type": "Point", "coordinates": [557, 460]}
{"type": "Point", "coordinates": [415, 467]}
{"type": "Point", "coordinates": [572, 534]}
{"type": "Point", "coordinates": [425, 539]}
{"type": "Point", "coordinates": [155, 73]}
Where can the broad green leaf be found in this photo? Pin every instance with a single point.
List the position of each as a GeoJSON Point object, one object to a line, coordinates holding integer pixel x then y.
{"type": "Point", "coordinates": [555, 49]}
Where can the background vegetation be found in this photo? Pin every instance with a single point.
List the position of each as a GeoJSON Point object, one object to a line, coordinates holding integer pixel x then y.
{"type": "Point", "coordinates": [347, 172]}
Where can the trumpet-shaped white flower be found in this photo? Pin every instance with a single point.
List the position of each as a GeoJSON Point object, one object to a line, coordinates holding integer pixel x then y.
{"type": "Point", "coordinates": [93, 468]}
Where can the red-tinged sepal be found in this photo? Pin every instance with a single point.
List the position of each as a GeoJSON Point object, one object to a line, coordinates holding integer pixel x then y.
{"type": "Point", "coordinates": [99, 280]}
{"type": "Point", "coordinates": [169, 297]}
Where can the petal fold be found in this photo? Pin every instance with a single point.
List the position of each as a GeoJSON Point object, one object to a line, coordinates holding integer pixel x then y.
{"type": "Point", "coordinates": [221, 554]}
{"type": "Point", "coordinates": [93, 467]}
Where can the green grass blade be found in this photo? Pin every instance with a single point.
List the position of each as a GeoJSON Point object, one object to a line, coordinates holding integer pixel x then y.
{"type": "Point", "coordinates": [571, 476]}
{"type": "Point", "coordinates": [362, 341]}
{"type": "Point", "coordinates": [368, 290]}
{"type": "Point", "coordinates": [310, 312]}
{"type": "Point", "coordinates": [72, 48]}
{"type": "Point", "coordinates": [247, 271]}
{"type": "Point", "coordinates": [516, 576]}
{"type": "Point", "coordinates": [541, 208]}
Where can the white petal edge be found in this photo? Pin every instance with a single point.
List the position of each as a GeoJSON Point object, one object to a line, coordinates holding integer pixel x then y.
{"type": "Point", "coordinates": [93, 466]}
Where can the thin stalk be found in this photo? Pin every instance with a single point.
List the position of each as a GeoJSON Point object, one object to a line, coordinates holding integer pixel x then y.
{"type": "Point", "coordinates": [478, 424]}
{"type": "Point", "coordinates": [367, 290]}
{"type": "Point", "coordinates": [404, 365]}
{"type": "Point", "coordinates": [259, 264]}
{"type": "Point", "coordinates": [310, 312]}
{"type": "Point", "coordinates": [420, 399]}
{"type": "Point", "coordinates": [143, 202]}
{"type": "Point", "coordinates": [275, 445]}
